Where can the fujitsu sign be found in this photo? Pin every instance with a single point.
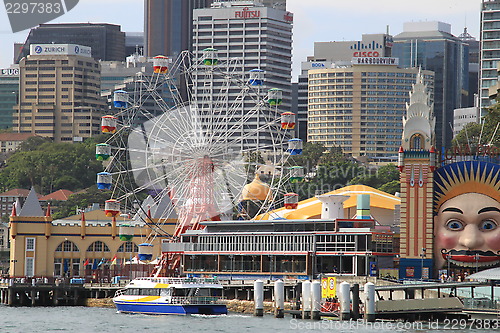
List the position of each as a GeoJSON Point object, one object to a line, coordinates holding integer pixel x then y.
{"type": "Point", "coordinates": [246, 13]}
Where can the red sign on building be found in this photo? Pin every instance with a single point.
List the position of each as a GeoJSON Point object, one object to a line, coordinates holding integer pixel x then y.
{"type": "Point", "coordinates": [246, 13]}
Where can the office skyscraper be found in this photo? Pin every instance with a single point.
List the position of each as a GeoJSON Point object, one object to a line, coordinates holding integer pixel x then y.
{"type": "Point", "coordinates": [490, 50]}
{"type": "Point", "coordinates": [9, 90]}
{"type": "Point", "coordinates": [431, 46]}
{"type": "Point", "coordinates": [258, 37]}
{"type": "Point", "coordinates": [168, 25]}
{"type": "Point", "coordinates": [107, 41]}
{"type": "Point", "coordinates": [59, 93]}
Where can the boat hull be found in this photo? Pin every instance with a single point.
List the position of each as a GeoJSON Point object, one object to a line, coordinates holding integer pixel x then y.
{"type": "Point", "coordinates": [175, 309]}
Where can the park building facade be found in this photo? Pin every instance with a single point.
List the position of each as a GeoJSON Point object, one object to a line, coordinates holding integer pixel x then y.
{"type": "Point", "coordinates": [59, 93]}
{"type": "Point", "coordinates": [359, 107]}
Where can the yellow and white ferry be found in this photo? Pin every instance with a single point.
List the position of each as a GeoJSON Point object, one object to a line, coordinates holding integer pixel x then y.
{"type": "Point", "coordinates": [163, 295]}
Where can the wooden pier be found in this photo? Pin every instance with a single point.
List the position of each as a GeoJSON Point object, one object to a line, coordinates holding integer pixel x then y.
{"type": "Point", "coordinates": [42, 294]}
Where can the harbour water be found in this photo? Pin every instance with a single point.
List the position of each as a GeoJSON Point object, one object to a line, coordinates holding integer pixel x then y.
{"type": "Point", "coordinates": [88, 319]}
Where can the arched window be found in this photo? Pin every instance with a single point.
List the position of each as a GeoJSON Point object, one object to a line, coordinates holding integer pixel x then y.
{"type": "Point", "coordinates": [128, 247]}
{"type": "Point", "coordinates": [98, 246]}
{"type": "Point", "coordinates": [416, 141]}
{"type": "Point", "coordinates": [67, 246]}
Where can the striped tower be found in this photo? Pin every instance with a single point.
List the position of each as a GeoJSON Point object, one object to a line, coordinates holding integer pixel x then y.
{"type": "Point", "coordinates": [416, 163]}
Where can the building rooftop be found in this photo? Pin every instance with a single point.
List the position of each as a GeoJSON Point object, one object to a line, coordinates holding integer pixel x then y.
{"type": "Point", "coordinates": [59, 195]}
{"type": "Point", "coordinates": [17, 192]}
{"type": "Point", "coordinates": [15, 136]}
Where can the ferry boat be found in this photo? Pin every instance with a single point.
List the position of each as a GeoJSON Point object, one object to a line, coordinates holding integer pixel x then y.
{"type": "Point", "coordinates": [162, 295]}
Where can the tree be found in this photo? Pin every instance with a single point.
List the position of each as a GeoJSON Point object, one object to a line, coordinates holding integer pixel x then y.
{"type": "Point", "coordinates": [51, 166]}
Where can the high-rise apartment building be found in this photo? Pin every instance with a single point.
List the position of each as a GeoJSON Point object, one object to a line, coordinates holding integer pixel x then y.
{"type": "Point", "coordinates": [168, 25]}
{"type": "Point", "coordinates": [431, 46]}
{"type": "Point", "coordinates": [334, 54]}
{"type": "Point", "coordinates": [359, 107]}
{"type": "Point", "coordinates": [9, 89]}
{"type": "Point", "coordinates": [107, 41]}
{"type": "Point", "coordinates": [490, 49]}
{"type": "Point", "coordinates": [59, 93]}
{"type": "Point", "coordinates": [258, 37]}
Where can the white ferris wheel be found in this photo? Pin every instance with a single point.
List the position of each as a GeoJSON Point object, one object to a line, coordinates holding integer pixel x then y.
{"type": "Point", "coordinates": [187, 138]}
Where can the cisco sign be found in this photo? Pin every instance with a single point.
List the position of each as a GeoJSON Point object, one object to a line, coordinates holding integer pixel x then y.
{"type": "Point", "coordinates": [60, 49]}
{"type": "Point", "coordinates": [10, 72]}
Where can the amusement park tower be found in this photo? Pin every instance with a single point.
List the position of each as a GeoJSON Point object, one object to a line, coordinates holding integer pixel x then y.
{"type": "Point", "coordinates": [416, 162]}
{"type": "Point", "coordinates": [259, 37]}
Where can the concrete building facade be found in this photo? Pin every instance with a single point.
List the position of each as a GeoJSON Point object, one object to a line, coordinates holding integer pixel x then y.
{"type": "Point", "coordinates": [359, 108]}
{"type": "Point", "coordinates": [489, 50]}
{"type": "Point", "coordinates": [59, 93]}
{"type": "Point", "coordinates": [256, 37]}
{"type": "Point", "coordinates": [336, 54]}
{"type": "Point", "coordinates": [107, 41]}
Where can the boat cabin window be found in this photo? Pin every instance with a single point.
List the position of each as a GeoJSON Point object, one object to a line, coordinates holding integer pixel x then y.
{"type": "Point", "coordinates": [165, 292]}
{"type": "Point", "coordinates": [143, 291]}
{"type": "Point", "coordinates": [208, 292]}
{"type": "Point", "coordinates": [180, 291]}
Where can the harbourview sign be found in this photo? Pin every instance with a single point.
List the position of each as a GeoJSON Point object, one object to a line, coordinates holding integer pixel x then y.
{"type": "Point", "coordinates": [375, 61]}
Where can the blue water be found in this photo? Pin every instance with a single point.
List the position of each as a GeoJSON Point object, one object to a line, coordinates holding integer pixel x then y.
{"type": "Point", "coordinates": [84, 319]}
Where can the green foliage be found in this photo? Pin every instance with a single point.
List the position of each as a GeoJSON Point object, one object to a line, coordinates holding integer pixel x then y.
{"type": "Point", "coordinates": [51, 166]}
{"type": "Point", "coordinates": [391, 187]}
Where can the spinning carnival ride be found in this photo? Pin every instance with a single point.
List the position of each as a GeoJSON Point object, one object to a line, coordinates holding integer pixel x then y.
{"type": "Point", "coordinates": [187, 138]}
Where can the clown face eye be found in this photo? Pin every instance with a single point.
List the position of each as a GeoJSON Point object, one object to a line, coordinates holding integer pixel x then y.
{"type": "Point", "coordinates": [487, 225]}
{"type": "Point", "coordinates": [454, 225]}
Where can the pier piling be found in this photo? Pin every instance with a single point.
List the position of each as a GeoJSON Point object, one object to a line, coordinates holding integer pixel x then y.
{"type": "Point", "coordinates": [279, 299]}
{"type": "Point", "coordinates": [316, 300]}
{"type": "Point", "coordinates": [306, 300]}
{"type": "Point", "coordinates": [258, 290]}
{"type": "Point", "coordinates": [345, 301]}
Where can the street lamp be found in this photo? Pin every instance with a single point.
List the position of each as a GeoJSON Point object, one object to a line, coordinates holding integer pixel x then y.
{"type": "Point", "coordinates": [423, 257]}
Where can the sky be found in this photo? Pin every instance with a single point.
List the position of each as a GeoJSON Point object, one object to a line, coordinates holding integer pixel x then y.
{"type": "Point", "coordinates": [314, 20]}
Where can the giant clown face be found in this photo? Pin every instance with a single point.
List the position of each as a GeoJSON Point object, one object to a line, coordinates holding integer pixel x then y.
{"type": "Point", "coordinates": [467, 231]}
{"type": "Point", "coordinates": [467, 215]}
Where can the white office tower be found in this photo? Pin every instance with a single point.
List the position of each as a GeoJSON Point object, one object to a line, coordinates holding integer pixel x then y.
{"type": "Point", "coordinates": [244, 37]}
{"type": "Point", "coordinates": [490, 50]}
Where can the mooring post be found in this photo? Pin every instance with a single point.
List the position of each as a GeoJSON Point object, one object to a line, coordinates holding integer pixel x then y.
{"type": "Point", "coordinates": [316, 300]}
{"type": "Point", "coordinates": [306, 299]}
{"type": "Point", "coordinates": [258, 297]}
{"type": "Point", "coordinates": [345, 300]}
{"type": "Point", "coordinates": [355, 301]}
{"type": "Point", "coordinates": [370, 302]}
{"type": "Point", "coordinates": [279, 299]}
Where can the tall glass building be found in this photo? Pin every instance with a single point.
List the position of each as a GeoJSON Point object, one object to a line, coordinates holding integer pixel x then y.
{"type": "Point", "coordinates": [9, 91]}
{"type": "Point", "coordinates": [431, 46]}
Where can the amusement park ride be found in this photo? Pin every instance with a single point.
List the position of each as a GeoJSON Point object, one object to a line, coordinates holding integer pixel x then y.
{"type": "Point", "coordinates": [197, 155]}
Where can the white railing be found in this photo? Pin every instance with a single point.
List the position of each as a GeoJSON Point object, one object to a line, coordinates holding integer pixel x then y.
{"type": "Point", "coordinates": [168, 280]}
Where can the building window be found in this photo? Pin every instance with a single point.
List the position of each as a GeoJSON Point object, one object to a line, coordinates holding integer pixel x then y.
{"type": "Point", "coordinates": [67, 246]}
{"type": "Point", "coordinates": [98, 246]}
{"type": "Point", "coordinates": [128, 247]}
{"type": "Point", "coordinates": [416, 141]}
{"type": "Point", "coordinates": [29, 267]}
{"type": "Point", "coordinates": [30, 244]}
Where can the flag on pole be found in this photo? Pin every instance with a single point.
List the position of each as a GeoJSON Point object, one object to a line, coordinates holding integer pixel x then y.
{"type": "Point", "coordinates": [86, 263]}
{"type": "Point", "coordinates": [103, 260]}
{"type": "Point", "coordinates": [113, 261]}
